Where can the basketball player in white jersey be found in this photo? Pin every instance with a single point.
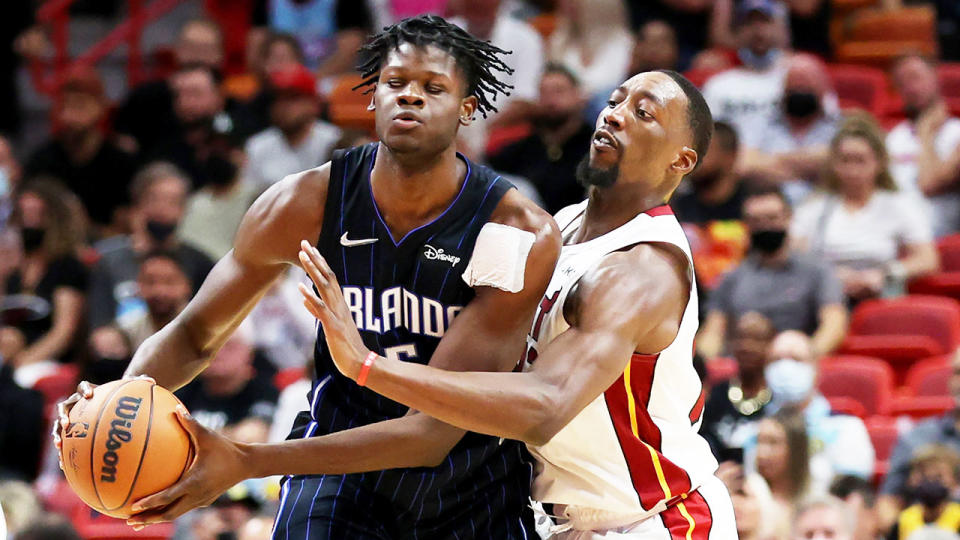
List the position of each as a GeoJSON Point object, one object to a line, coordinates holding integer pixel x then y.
{"type": "Point", "coordinates": [608, 400]}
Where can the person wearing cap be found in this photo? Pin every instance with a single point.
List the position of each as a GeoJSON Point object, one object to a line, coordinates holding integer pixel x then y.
{"type": "Point", "coordinates": [296, 140]}
{"type": "Point", "coordinates": [747, 96]}
{"type": "Point", "coordinates": [81, 156]}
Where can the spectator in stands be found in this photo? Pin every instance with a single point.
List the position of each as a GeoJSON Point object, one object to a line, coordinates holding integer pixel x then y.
{"type": "Point", "coordinates": [81, 156]}
{"type": "Point", "coordinates": [297, 140]}
{"type": "Point", "coordinates": [792, 147]}
{"type": "Point", "coordinates": [147, 115]}
{"type": "Point", "coordinates": [925, 148]}
{"type": "Point", "coordinates": [228, 396]}
{"type": "Point", "coordinates": [23, 428]}
{"type": "Point", "coordinates": [944, 430]}
{"type": "Point", "coordinates": [549, 156]}
{"type": "Point", "coordinates": [859, 497]}
{"type": "Point", "coordinates": [165, 287]}
{"type": "Point", "coordinates": [746, 96]}
{"type": "Point", "coordinates": [285, 332]}
{"type": "Point", "coordinates": [808, 25]}
{"type": "Point", "coordinates": [868, 231]}
{"type": "Point", "coordinates": [823, 518]}
{"type": "Point", "coordinates": [329, 32]}
{"type": "Point", "coordinates": [486, 20]}
{"type": "Point", "coordinates": [782, 460]}
{"type": "Point", "coordinates": [9, 179]}
{"type": "Point", "coordinates": [159, 194]}
{"type": "Point", "coordinates": [593, 41]}
{"type": "Point", "coordinates": [795, 291]}
{"type": "Point", "coordinates": [716, 192]}
{"type": "Point", "coordinates": [932, 483]}
{"type": "Point", "coordinates": [754, 509]}
{"type": "Point", "coordinates": [688, 18]}
{"type": "Point", "coordinates": [840, 443]}
{"type": "Point", "coordinates": [206, 129]}
{"type": "Point", "coordinates": [48, 287]}
{"type": "Point", "coordinates": [277, 52]}
{"type": "Point", "coordinates": [21, 506]}
{"type": "Point", "coordinates": [214, 212]}
{"type": "Point", "coordinates": [735, 406]}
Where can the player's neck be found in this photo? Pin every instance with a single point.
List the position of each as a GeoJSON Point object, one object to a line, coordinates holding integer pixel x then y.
{"type": "Point", "coordinates": [410, 192]}
{"type": "Point", "coordinates": [612, 207]}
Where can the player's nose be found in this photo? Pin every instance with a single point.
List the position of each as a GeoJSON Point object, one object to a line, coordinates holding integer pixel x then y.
{"type": "Point", "coordinates": [612, 118]}
{"type": "Point", "coordinates": [410, 97]}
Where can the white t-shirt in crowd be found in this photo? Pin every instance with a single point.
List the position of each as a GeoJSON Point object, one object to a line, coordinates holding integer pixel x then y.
{"type": "Point", "coordinates": [864, 238]}
{"type": "Point", "coordinates": [526, 60]}
{"type": "Point", "coordinates": [904, 150]}
{"type": "Point", "coordinates": [745, 98]}
{"type": "Point", "coordinates": [609, 66]}
{"type": "Point", "coordinates": [270, 157]}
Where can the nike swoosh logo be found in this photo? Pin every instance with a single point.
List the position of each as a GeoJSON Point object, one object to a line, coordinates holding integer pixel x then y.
{"type": "Point", "coordinates": [346, 242]}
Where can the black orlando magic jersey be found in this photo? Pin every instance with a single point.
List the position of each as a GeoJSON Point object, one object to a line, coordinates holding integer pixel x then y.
{"type": "Point", "coordinates": [403, 294]}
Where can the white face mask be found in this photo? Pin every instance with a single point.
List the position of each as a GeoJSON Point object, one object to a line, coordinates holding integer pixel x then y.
{"type": "Point", "coordinates": [4, 182]}
{"type": "Point", "coordinates": [790, 381]}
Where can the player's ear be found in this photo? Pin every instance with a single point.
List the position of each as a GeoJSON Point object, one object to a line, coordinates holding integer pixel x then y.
{"type": "Point", "coordinates": [685, 161]}
{"type": "Point", "coordinates": [468, 108]}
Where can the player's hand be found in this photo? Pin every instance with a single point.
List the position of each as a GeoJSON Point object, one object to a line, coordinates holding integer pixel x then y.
{"type": "Point", "coordinates": [343, 339]}
{"type": "Point", "coordinates": [217, 466]}
{"type": "Point", "coordinates": [84, 391]}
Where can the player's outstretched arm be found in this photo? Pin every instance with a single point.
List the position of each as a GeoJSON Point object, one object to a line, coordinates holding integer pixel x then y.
{"type": "Point", "coordinates": [633, 301]}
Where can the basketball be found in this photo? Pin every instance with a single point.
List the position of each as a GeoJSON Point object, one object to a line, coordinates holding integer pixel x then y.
{"type": "Point", "coordinates": [123, 444]}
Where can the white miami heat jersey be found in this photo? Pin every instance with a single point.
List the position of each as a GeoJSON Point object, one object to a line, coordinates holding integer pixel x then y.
{"type": "Point", "coordinates": [637, 443]}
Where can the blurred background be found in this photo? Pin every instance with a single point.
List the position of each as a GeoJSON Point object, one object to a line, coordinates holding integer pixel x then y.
{"type": "Point", "coordinates": [134, 134]}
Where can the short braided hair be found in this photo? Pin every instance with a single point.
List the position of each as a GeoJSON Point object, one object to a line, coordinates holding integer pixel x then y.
{"type": "Point", "coordinates": [479, 60]}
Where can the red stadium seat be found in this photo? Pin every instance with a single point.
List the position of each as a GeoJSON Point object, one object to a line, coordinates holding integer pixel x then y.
{"type": "Point", "coordinates": [92, 525]}
{"type": "Point", "coordinates": [868, 381]}
{"type": "Point", "coordinates": [286, 377]}
{"type": "Point", "coordinates": [883, 434]}
{"type": "Point", "coordinates": [57, 385]}
{"type": "Point", "coordinates": [949, 76]}
{"type": "Point", "coordinates": [859, 86]}
{"type": "Point", "coordinates": [949, 249]}
{"type": "Point", "coordinates": [507, 135]}
{"type": "Point", "coordinates": [930, 377]}
{"type": "Point", "coordinates": [700, 76]}
{"type": "Point", "coordinates": [847, 405]}
{"type": "Point", "coordinates": [919, 407]}
{"type": "Point", "coordinates": [947, 281]}
{"type": "Point", "coordinates": [721, 369]}
{"type": "Point", "coordinates": [903, 330]}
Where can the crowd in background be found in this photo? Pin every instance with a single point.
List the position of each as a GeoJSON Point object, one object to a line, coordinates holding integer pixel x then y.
{"type": "Point", "coordinates": [800, 211]}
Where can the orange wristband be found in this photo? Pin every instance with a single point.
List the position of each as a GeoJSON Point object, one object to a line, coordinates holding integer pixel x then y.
{"type": "Point", "coordinates": [365, 369]}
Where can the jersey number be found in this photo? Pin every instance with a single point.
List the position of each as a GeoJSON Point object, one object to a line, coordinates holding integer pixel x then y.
{"type": "Point", "coordinates": [401, 352]}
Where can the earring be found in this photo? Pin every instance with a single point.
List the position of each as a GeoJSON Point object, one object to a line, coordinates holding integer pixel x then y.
{"type": "Point", "coordinates": [371, 106]}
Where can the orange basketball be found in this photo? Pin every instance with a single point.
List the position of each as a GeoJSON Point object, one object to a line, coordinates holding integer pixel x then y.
{"type": "Point", "coordinates": [123, 444]}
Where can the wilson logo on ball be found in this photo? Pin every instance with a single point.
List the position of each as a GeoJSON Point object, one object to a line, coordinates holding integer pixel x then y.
{"type": "Point", "coordinates": [126, 412]}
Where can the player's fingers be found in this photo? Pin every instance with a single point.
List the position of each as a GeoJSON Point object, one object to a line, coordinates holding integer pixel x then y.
{"type": "Point", "coordinates": [193, 428]}
{"type": "Point", "coordinates": [311, 269]}
{"type": "Point", "coordinates": [312, 302]}
{"type": "Point", "coordinates": [154, 504]}
{"type": "Point", "coordinates": [85, 389]}
{"type": "Point", "coordinates": [325, 269]}
{"type": "Point", "coordinates": [159, 514]}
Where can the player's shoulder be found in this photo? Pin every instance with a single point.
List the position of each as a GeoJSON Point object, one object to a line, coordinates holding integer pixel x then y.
{"type": "Point", "coordinates": [641, 264]}
{"type": "Point", "coordinates": [516, 210]}
{"type": "Point", "coordinates": [305, 191]}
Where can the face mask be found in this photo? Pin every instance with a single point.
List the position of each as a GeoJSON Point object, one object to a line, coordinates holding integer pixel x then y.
{"type": "Point", "coordinates": [801, 104]}
{"type": "Point", "coordinates": [32, 238]}
{"type": "Point", "coordinates": [4, 182]}
{"type": "Point", "coordinates": [789, 380]}
{"type": "Point", "coordinates": [160, 231]}
{"type": "Point", "coordinates": [912, 112]}
{"type": "Point", "coordinates": [767, 241]}
{"type": "Point", "coordinates": [219, 171]}
{"type": "Point", "coordinates": [758, 62]}
{"type": "Point", "coordinates": [930, 493]}
{"type": "Point", "coordinates": [706, 179]}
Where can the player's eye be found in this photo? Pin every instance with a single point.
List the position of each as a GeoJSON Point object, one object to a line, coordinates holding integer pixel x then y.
{"type": "Point", "coordinates": [434, 89]}
{"type": "Point", "coordinates": [611, 103]}
{"type": "Point", "coordinates": [394, 83]}
{"type": "Point", "coordinates": [644, 115]}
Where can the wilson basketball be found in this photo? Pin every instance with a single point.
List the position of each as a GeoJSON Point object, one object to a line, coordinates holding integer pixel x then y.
{"type": "Point", "coordinates": [123, 444]}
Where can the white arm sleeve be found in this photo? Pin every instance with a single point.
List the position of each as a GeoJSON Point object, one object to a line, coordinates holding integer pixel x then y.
{"type": "Point", "coordinates": [499, 258]}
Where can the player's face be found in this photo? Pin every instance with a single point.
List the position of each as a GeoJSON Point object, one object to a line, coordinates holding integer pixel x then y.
{"type": "Point", "coordinates": [420, 101]}
{"type": "Point", "coordinates": [644, 132]}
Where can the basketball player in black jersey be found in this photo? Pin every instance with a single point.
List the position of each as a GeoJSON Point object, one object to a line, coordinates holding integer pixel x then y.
{"type": "Point", "coordinates": [401, 219]}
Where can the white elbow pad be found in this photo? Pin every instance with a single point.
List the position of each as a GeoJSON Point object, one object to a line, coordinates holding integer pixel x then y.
{"type": "Point", "coordinates": [499, 257]}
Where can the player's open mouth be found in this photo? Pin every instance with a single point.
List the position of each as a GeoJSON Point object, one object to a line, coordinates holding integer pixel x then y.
{"type": "Point", "coordinates": [604, 141]}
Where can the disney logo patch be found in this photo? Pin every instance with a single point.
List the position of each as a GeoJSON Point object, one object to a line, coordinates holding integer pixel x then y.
{"type": "Point", "coordinates": [434, 254]}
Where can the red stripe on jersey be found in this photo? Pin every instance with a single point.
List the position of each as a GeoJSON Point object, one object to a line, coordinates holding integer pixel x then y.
{"type": "Point", "coordinates": [650, 472]}
{"type": "Point", "coordinates": [697, 522]}
{"type": "Point", "coordinates": [697, 409]}
{"type": "Point", "coordinates": [662, 210]}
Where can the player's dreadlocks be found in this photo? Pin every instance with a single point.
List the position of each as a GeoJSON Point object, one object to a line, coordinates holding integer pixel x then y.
{"type": "Point", "coordinates": [477, 59]}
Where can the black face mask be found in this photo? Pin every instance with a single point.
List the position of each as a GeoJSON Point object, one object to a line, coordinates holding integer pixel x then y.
{"type": "Point", "coordinates": [705, 179]}
{"type": "Point", "coordinates": [801, 104]}
{"type": "Point", "coordinates": [32, 238]}
{"type": "Point", "coordinates": [930, 493]}
{"type": "Point", "coordinates": [219, 171]}
{"type": "Point", "coordinates": [767, 241]}
{"type": "Point", "coordinates": [160, 231]}
{"type": "Point", "coordinates": [590, 176]}
{"type": "Point", "coordinates": [912, 112]}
